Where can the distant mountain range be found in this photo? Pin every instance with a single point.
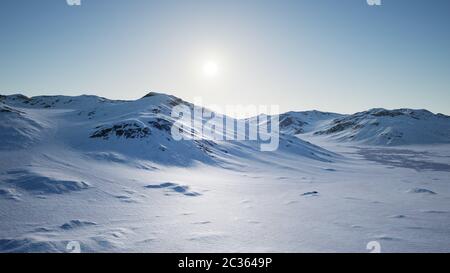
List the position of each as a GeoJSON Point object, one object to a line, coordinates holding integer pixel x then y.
{"type": "Point", "coordinates": [91, 119]}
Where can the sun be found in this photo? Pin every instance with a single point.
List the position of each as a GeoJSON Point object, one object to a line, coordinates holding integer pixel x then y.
{"type": "Point", "coordinates": [210, 68]}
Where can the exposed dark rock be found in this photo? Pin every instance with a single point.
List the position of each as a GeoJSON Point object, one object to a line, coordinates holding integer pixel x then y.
{"type": "Point", "coordinates": [161, 124]}
{"type": "Point", "coordinates": [205, 145]}
{"type": "Point", "coordinates": [150, 94]}
{"type": "Point", "coordinates": [20, 97]}
{"type": "Point", "coordinates": [358, 126]}
{"type": "Point", "coordinates": [310, 193]}
{"type": "Point", "coordinates": [156, 111]}
{"type": "Point", "coordinates": [176, 101]}
{"type": "Point", "coordinates": [91, 114]}
{"type": "Point", "coordinates": [387, 113]}
{"type": "Point", "coordinates": [126, 130]}
{"type": "Point", "coordinates": [440, 115]}
{"type": "Point", "coordinates": [287, 122]}
{"type": "Point", "coordinates": [339, 127]}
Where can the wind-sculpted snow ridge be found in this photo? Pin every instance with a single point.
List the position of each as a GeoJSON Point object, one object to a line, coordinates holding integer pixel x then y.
{"type": "Point", "coordinates": [41, 184]}
{"type": "Point", "coordinates": [9, 194]}
{"type": "Point", "coordinates": [74, 224]}
{"type": "Point", "coordinates": [390, 127]}
{"type": "Point", "coordinates": [20, 128]}
{"type": "Point", "coordinates": [175, 188]}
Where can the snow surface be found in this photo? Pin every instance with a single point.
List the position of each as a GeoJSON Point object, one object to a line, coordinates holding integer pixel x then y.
{"type": "Point", "coordinates": [108, 175]}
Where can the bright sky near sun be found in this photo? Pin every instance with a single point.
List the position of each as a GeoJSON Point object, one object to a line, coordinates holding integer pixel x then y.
{"type": "Point", "coordinates": [340, 56]}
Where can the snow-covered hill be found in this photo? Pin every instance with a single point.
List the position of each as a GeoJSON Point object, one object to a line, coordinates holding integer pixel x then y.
{"type": "Point", "coordinates": [379, 127]}
{"type": "Point", "coordinates": [306, 121]}
{"type": "Point", "coordinates": [389, 127]}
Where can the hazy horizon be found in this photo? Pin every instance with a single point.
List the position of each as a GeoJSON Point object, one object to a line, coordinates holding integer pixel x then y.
{"type": "Point", "coordinates": [341, 57]}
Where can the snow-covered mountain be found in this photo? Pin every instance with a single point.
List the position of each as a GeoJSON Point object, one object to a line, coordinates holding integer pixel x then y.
{"type": "Point", "coordinates": [108, 175]}
{"type": "Point", "coordinates": [149, 119]}
{"type": "Point", "coordinates": [373, 127]}
{"type": "Point", "coordinates": [138, 129]}
{"type": "Point", "coordinates": [305, 121]}
{"type": "Point", "coordinates": [389, 127]}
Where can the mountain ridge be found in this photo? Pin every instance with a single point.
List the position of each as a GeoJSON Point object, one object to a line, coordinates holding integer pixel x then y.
{"type": "Point", "coordinates": [376, 126]}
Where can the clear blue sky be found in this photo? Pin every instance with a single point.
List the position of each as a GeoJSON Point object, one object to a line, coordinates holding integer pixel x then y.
{"type": "Point", "coordinates": [341, 56]}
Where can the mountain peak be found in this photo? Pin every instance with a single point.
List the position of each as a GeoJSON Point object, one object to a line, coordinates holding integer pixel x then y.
{"type": "Point", "coordinates": [154, 94]}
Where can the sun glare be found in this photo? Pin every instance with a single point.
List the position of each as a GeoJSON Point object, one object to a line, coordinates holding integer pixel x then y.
{"type": "Point", "coordinates": [210, 68]}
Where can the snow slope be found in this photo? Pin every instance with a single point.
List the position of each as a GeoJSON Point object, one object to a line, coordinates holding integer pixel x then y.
{"type": "Point", "coordinates": [19, 129]}
{"type": "Point", "coordinates": [107, 175]}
